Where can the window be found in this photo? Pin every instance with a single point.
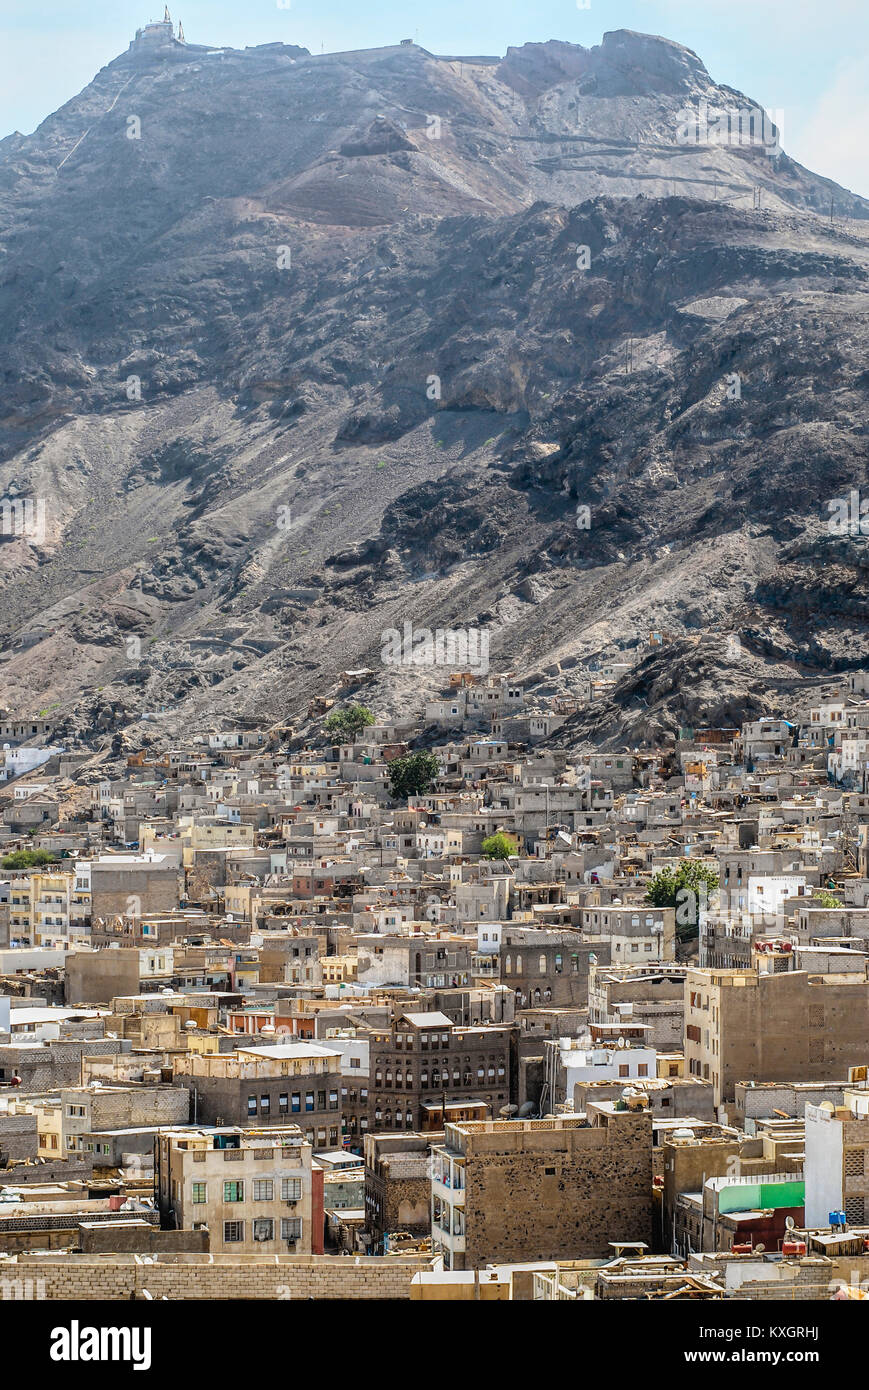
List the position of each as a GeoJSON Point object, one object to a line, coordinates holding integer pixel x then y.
{"type": "Point", "coordinates": [264, 1105]}
{"type": "Point", "coordinates": [263, 1189]}
{"type": "Point", "coordinates": [321, 1100]}
{"type": "Point", "coordinates": [354, 1062]}
{"type": "Point", "coordinates": [309, 1101]}
{"type": "Point", "coordinates": [233, 1192]}
{"type": "Point", "coordinates": [624, 1069]}
{"type": "Point", "coordinates": [333, 1100]}
{"type": "Point", "coordinates": [199, 1192]}
{"type": "Point", "coordinates": [542, 965]}
{"type": "Point", "coordinates": [643, 1069]}
{"type": "Point", "coordinates": [233, 1231]}
{"type": "Point", "coordinates": [251, 1105]}
{"type": "Point", "coordinates": [291, 1228]}
{"type": "Point", "coordinates": [296, 1105]}
{"type": "Point", "coordinates": [263, 1228]}
{"type": "Point", "coordinates": [291, 1189]}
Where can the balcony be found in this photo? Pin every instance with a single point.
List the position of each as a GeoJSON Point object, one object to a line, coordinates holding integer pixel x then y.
{"type": "Point", "coordinates": [453, 1195]}
{"type": "Point", "coordinates": [449, 1240]}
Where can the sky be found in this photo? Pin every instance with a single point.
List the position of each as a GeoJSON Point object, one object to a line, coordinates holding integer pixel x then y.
{"type": "Point", "coordinates": [808, 59]}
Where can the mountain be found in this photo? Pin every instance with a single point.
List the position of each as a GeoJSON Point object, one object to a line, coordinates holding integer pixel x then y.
{"type": "Point", "coordinates": [561, 346]}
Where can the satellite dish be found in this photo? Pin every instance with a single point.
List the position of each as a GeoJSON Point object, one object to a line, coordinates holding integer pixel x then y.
{"type": "Point", "coordinates": [789, 1223]}
{"type": "Point", "coordinates": [620, 1042]}
{"type": "Point", "coordinates": [759, 1249]}
{"type": "Point", "coordinates": [828, 1106]}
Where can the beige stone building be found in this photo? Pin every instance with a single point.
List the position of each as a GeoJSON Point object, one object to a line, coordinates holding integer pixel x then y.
{"type": "Point", "coordinates": [744, 1025]}
{"type": "Point", "coordinates": [255, 1190]}
{"type": "Point", "coordinates": [517, 1190]}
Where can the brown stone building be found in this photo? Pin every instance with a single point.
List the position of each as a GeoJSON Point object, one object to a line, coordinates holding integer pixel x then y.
{"type": "Point", "coordinates": [548, 969]}
{"type": "Point", "coordinates": [516, 1190]}
{"type": "Point", "coordinates": [424, 1060]}
{"type": "Point", "coordinates": [262, 1086]}
{"type": "Point", "coordinates": [397, 1185]}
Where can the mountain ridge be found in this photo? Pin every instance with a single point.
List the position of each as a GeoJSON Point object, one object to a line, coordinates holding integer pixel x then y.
{"type": "Point", "coordinates": [215, 434]}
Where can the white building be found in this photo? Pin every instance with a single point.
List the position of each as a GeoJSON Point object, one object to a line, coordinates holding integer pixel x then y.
{"type": "Point", "coordinates": [837, 1160]}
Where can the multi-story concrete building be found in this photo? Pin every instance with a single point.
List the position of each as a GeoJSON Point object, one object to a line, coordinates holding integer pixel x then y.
{"type": "Point", "coordinates": [294, 1083]}
{"type": "Point", "coordinates": [569, 1063]}
{"type": "Point", "coordinates": [637, 934]}
{"type": "Point", "coordinates": [256, 1190]}
{"type": "Point", "coordinates": [415, 961]}
{"type": "Point", "coordinates": [750, 1025]}
{"type": "Point", "coordinates": [97, 1107]}
{"type": "Point", "coordinates": [643, 994]}
{"type": "Point", "coordinates": [517, 1190]}
{"type": "Point", "coordinates": [133, 884]}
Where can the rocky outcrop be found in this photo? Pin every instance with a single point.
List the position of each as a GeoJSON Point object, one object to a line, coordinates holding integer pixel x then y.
{"type": "Point", "coordinates": [366, 338]}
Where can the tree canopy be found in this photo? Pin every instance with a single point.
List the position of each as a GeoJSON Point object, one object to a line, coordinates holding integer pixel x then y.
{"type": "Point", "coordinates": [27, 859]}
{"type": "Point", "coordinates": [687, 886]}
{"type": "Point", "coordinates": [498, 846]}
{"type": "Point", "coordinates": [413, 774]}
{"type": "Point", "coordinates": [349, 721]}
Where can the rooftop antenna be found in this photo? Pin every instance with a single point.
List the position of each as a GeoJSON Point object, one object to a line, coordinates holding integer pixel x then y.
{"type": "Point", "coordinates": [167, 18]}
{"type": "Point", "coordinates": [181, 38]}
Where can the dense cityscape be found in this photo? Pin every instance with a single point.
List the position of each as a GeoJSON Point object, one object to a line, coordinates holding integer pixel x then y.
{"type": "Point", "coordinates": [497, 1020]}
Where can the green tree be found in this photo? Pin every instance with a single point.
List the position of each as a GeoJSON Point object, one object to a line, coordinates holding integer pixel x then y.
{"type": "Point", "coordinates": [346, 723]}
{"type": "Point", "coordinates": [413, 774]}
{"type": "Point", "coordinates": [27, 859]}
{"type": "Point", "coordinates": [498, 846]}
{"type": "Point", "coordinates": [685, 888]}
{"type": "Point", "coordinates": [825, 899]}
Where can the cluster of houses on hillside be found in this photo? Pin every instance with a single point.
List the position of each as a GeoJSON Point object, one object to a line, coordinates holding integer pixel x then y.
{"type": "Point", "coordinates": [573, 1023]}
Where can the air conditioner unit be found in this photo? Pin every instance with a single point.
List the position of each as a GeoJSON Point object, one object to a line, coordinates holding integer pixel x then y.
{"type": "Point", "coordinates": [293, 1203]}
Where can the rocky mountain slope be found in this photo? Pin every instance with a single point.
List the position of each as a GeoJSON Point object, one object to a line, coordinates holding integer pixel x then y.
{"type": "Point", "coordinates": [297, 349]}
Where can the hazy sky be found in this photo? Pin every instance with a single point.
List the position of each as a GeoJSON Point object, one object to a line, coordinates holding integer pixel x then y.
{"type": "Point", "coordinates": [806, 58]}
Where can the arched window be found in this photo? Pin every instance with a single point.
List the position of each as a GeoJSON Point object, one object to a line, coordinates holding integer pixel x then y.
{"type": "Point", "coordinates": [541, 965]}
{"type": "Point", "coordinates": [518, 965]}
{"type": "Point", "coordinates": [508, 965]}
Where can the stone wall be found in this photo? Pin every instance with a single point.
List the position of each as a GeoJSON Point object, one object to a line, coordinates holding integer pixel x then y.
{"type": "Point", "coordinates": [18, 1136]}
{"type": "Point", "coordinates": [594, 1185]}
{"type": "Point", "coordinates": [216, 1277]}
